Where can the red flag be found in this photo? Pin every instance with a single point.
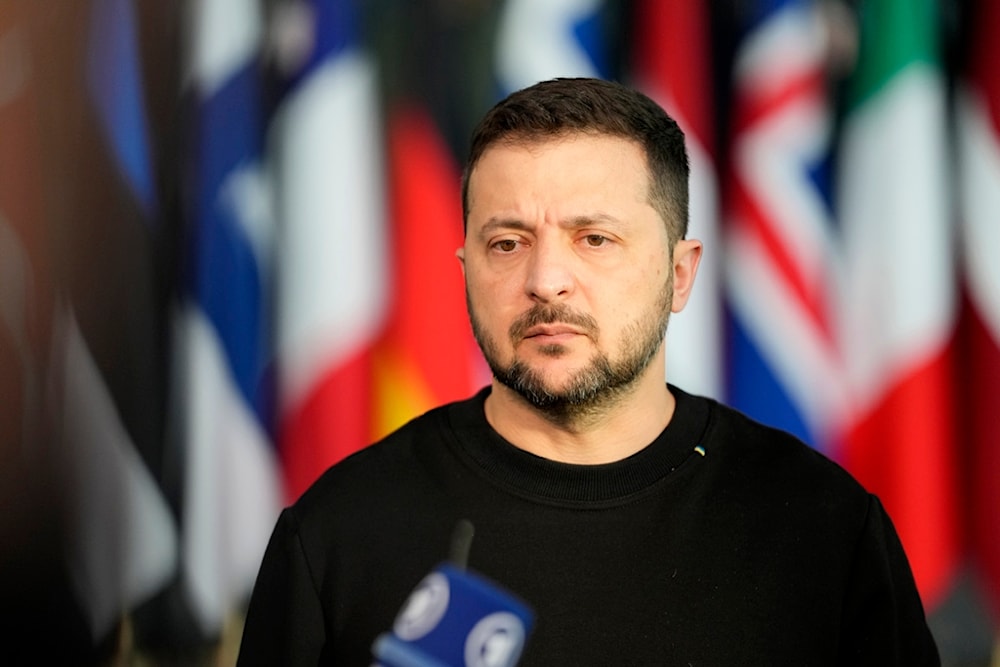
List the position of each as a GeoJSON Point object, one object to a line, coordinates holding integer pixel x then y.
{"type": "Point", "coordinates": [427, 355]}
{"type": "Point", "coordinates": [978, 111]}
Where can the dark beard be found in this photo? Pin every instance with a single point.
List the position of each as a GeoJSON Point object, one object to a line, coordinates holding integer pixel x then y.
{"type": "Point", "coordinates": [593, 388]}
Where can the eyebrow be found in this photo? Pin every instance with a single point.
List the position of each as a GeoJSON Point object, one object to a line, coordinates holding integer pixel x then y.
{"type": "Point", "coordinates": [576, 222]}
{"type": "Point", "coordinates": [496, 224]}
{"type": "Point", "coordinates": [599, 218]}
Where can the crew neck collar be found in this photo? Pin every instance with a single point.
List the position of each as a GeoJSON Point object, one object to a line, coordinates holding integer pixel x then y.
{"type": "Point", "coordinates": [542, 479]}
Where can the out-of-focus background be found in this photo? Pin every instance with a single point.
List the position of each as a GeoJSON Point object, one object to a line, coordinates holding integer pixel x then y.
{"type": "Point", "coordinates": [226, 261]}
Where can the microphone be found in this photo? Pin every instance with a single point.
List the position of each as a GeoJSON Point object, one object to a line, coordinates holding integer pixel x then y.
{"type": "Point", "coordinates": [456, 618]}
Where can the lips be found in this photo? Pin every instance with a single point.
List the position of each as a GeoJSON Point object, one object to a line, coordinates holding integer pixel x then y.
{"type": "Point", "coordinates": [551, 330]}
{"type": "Point", "coordinates": [552, 323]}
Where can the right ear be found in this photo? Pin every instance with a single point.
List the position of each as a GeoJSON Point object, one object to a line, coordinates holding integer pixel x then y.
{"type": "Point", "coordinates": [687, 256]}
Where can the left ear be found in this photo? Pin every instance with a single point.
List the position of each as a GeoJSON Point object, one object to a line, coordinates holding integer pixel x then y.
{"type": "Point", "coordinates": [687, 256]}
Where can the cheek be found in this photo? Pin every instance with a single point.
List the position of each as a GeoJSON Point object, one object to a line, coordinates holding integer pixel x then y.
{"type": "Point", "coordinates": [628, 299]}
{"type": "Point", "coordinates": [657, 274]}
{"type": "Point", "coordinates": [489, 299]}
{"type": "Point", "coordinates": [492, 290]}
{"type": "Point", "coordinates": [478, 274]}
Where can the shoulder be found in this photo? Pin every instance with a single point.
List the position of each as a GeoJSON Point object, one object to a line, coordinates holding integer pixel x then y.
{"type": "Point", "coordinates": [775, 465]}
{"type": "Point", "coordinates": [376, 470]}
{"type": "Point", "coordinates": [388, 484]}
{"type": "Point", "coordinates": [759, 444]}
{"type": "Point", "coordinates": [759, 481]}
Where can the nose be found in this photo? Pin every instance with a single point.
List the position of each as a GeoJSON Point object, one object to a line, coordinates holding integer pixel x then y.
{"type": "Point", "coordinates": [550, 272]}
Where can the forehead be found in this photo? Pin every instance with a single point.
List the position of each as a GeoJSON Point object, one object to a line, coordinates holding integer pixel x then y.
{"type": "Point", "coordinates": [578, 166]}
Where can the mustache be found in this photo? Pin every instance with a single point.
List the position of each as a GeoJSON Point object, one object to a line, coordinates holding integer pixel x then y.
{"type": "Point", "coordinates": [540, 314]}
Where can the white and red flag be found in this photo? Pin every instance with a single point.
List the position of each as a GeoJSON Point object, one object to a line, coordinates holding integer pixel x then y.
{"type": "Point", "coordinates": [899, 306]}
{"type": "Point", "coordinates": [327, 157]}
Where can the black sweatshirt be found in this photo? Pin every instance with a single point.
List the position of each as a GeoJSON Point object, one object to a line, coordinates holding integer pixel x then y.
{"type": "Point", "coordinates": [722, 543]}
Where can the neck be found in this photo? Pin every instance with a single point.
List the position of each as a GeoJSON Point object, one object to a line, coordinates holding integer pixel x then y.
{"type": "Point", "coordinates": [605, 434]}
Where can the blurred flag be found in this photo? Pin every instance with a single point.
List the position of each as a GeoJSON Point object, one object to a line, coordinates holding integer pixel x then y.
{"type": "Point", "coordinates": [222, 397]}
{"type": "Point", "coordinates": [783, 367]}
{"type": "Point", "coordinates": [122, 539]}
{"type": "Point", "coordinates": [543, 39]}
{"type": "Point", "coordinates": [672, 64]}
{"type": "Point", "coordinates": [978, 126]}
{"type": "Point", "coordinates": [332, 284]}
{"type": "Point", "coordinates": [899, 298]}
{"type": "Point", "coordinates": [36, 597]}
{"type": "Point", "coordinates": [427, 355]}
{"type": "Point", "coordinates": [115, 79]}
{"type": "Point", "coordinates": [25, 280]}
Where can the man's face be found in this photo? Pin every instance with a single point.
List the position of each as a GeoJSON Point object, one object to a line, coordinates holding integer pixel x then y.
{"type": "Point", "coordinates": [567, 269]}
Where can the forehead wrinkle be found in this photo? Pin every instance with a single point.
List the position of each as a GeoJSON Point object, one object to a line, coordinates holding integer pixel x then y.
{"type": "Point", "coordinates": [495, 224]}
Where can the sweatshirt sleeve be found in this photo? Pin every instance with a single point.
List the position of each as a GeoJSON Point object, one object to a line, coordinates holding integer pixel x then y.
{"type": "Point", "coordinates": [284, 623]}
{"type": "Point", "coordinates": [883, 622]}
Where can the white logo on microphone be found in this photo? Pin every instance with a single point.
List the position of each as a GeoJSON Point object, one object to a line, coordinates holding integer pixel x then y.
{"type": "Point", "coordinates": [495, 641]}
{"type": "Point", "coordinates": [423, 609]}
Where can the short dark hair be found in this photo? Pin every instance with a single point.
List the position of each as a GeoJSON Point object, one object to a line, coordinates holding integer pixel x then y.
{"type": "Point", "coordinates": [570, 105]}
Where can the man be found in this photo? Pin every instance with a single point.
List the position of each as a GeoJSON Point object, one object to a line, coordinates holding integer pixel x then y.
{"type": "Point", "coordinates": [644, 525]}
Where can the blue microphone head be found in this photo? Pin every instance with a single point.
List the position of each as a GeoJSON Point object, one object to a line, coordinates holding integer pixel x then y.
{"type": "Point", "coordinates": [455, 618]}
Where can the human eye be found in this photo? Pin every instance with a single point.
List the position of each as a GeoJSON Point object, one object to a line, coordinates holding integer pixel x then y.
{"type": "Point", "coordinates": [504, 245]}
{"type": "Point", "coordinates": [595, 240]}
